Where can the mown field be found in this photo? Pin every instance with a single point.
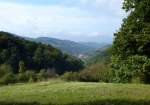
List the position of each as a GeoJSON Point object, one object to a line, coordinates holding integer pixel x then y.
{"type": "Point", "coordinates": [74, 93]}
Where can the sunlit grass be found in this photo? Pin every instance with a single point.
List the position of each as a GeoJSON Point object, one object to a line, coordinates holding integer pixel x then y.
{"type": "Point", "coordinates": [60, 92]}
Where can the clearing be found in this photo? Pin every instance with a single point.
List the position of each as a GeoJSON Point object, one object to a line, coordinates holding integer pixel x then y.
{"type": "Point", "coordinates": [74, 93]}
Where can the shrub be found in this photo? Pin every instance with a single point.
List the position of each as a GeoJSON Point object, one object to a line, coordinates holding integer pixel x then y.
{"type": "Point", "coordinates": [31, 76]}
{"type": "Point", "coordinates": [146, 72]}
{"type": "Point", "coordinates": [28, 76]}
{"type": "Point", "coordinates": [42, 75]}
{"type": "Point", "coordinates": [88, 76]}
{"type": "Point", "coordinates": [9, 78]}
{"type": "Point", "coordinates": [70, 76]}
{"type": "Point", "coordinates": [135, 69]}
{"type": "Point", "coordinates": [22, 77]}
{"type": "Point", "coordinates": [6, 75]}
{"type": "Point", "coordinates": [50, 73]}
{"type": "Point", "coordinates": [95, 73]}
{"type": "Point", "coordinates": [4, 69]}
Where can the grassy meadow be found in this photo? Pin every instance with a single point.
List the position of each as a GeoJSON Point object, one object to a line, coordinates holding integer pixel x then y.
{"type": "Point", "coordinates": [74, 93]}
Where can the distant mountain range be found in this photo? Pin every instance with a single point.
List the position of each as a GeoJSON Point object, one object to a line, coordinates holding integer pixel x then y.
{"type": "Point", "coordinates": [79, 49]}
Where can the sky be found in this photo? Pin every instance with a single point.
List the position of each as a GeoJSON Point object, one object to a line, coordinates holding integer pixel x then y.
{"type": "Point", "coordinates": [77, 20]}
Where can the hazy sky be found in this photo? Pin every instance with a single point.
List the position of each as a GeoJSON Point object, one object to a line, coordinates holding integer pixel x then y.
{"type": "Point", "coordinates": [78, 20]}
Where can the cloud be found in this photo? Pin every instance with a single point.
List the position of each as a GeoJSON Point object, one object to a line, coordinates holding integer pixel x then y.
{"type": "Point", "coordinates": [81, 18]}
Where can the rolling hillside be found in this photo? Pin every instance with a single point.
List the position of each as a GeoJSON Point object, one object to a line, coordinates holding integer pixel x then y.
{"type": "Point", "coordinates": [79, 49]}
{"type": "Point", "coordinates": [101, 55]}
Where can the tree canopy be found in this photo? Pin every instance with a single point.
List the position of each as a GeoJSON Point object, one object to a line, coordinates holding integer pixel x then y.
{"type": "Point", "coordinates": [20, 53]}
{"type": "Point", "coordinates": [132, 40]}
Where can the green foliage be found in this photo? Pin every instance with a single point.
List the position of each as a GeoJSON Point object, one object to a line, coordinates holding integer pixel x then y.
{"type": "Point", "coordinates": [70, 76]}
{"type": "Point", "coordinates": [6, 75]}
{"type": "Point", "coordinates": [8, 78]}
{"type": "Point", "coordinates": [146, 72]}
{"type": "Point", "coordinates": [42, 75]}
{"type": "Point", "coordinates": [46, 74]}
{"type": "Point", "coordinates": [100, 56]}
{"type": "Point", "coordinates": [131, 47]}
{"type": "Point", "coordinates": [22, 77]}
{"type": "Point", "coordinates": [4, 69]}
{"type": "Point", "coordinates": [22, 54]}
{"type": "Point", "coordinates": [21, 67]}
{"type": "Point", "coordinates": [31, 76]}
{"type": "Point", "coordinates": [98, 72]}
{"type": "Point", "coordinates": [27, 58]}
{"type": "Point", "coordinates": [134, 68]}
{"type": "Point", "coordinates": [50, 73]}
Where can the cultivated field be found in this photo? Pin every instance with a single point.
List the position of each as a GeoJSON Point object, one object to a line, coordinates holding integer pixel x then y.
{"type": "Point", "coordinates": [74, 93]}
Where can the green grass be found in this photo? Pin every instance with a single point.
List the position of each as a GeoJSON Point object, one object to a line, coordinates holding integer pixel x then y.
{"type": "Point", "coordinates": [74, 93]}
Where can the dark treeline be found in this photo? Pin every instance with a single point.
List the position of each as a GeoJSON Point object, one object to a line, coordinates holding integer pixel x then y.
{"type": "Point", "coordinates": [35, 56]}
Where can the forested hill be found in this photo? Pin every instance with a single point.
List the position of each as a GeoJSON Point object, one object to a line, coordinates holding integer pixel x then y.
{"type": "Point", "coordinates": [102, 55]}
{"type": "Point", "coordinates": [74, 48]}
{"type": "Point", "coordinates": [36, 56]}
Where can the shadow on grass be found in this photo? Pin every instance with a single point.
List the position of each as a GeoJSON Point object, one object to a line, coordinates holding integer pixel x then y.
{"type": "Point", "coordinates": [99, 102]}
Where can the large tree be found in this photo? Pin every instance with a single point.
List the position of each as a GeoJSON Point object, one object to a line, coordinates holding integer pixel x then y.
{"type": "Point", "coordinates": [131, 46]}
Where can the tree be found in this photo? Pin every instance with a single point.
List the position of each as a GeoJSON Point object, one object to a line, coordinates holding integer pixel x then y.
{"type": "Point", "coordinates": [21, 67]}
{"type": "Point", "coordinates": [133, 38]}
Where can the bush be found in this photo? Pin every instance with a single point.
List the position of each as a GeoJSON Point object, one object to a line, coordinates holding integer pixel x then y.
{"type": "Point", "coordinates": [146, 72]}
{"type": "Point", "coordinates": [95, 73]}
{"type": "Point", "coordinates": [28, 76]}
{"type": "Point", "coordinates": [9, 78]}
{"type": "Point", "coordinates": [70, 76]}
{"type": "Point", "coordinates": [31, 76]}
{"type": "Point", "coordinates": [42, 75]}
{"type": "Point", "coordinates": [46, 74]}
{"type": "Point", "coordinates": [22, 77]}
{"type": "Point", "coordinates": [4, 69]}
{"type": "Point", "coordinates": [6, 75]}
{"type": "Point", "coordinates": [50, 73]}
{"type": "Point", "coordinates": [86, 76]}
{"type": "Point", "coordinates": [135, 69]}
